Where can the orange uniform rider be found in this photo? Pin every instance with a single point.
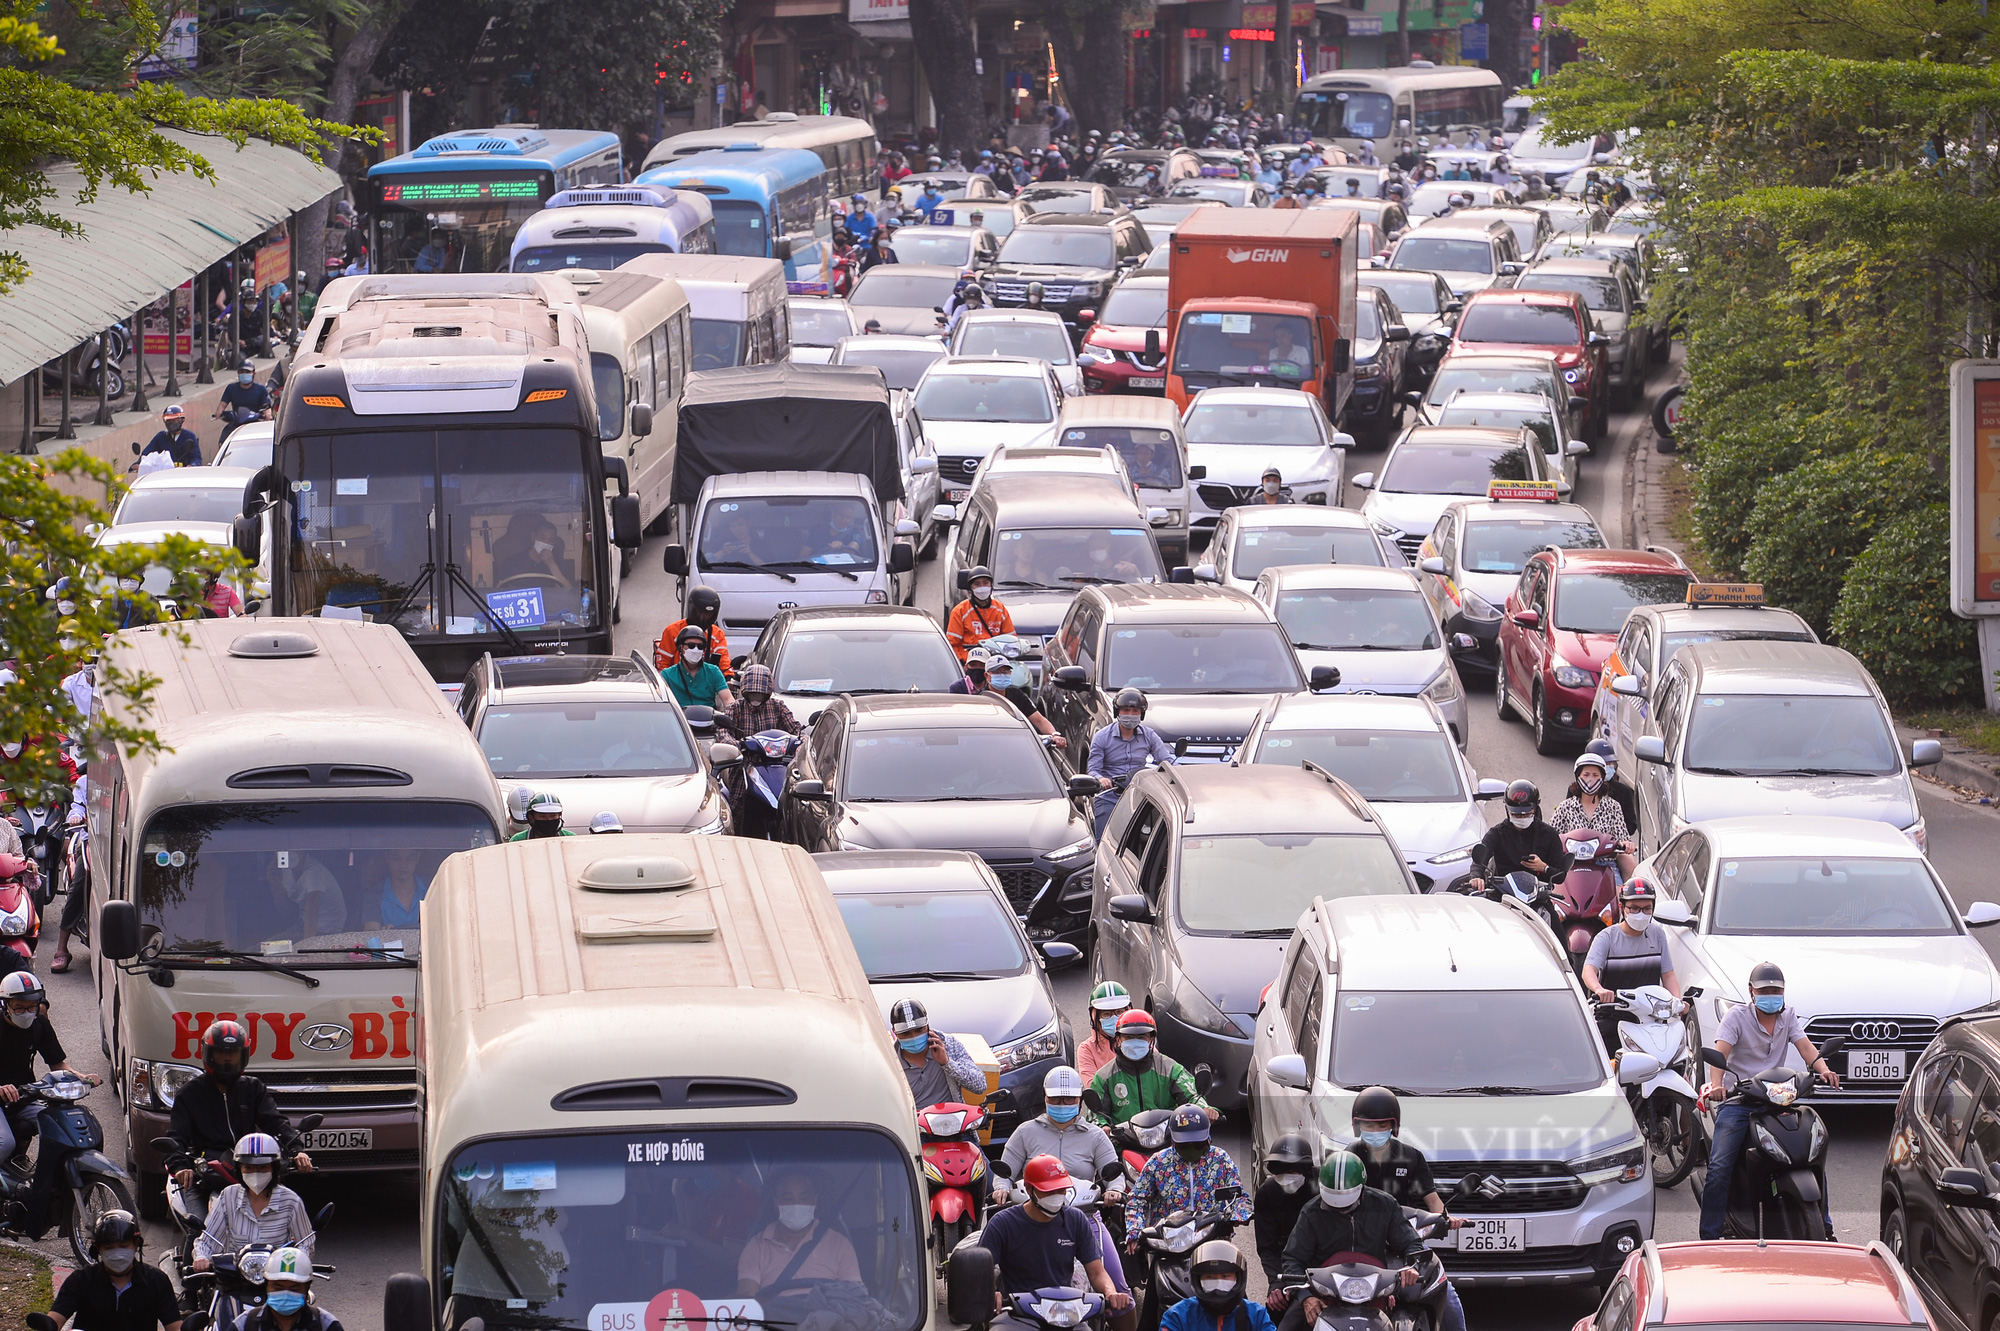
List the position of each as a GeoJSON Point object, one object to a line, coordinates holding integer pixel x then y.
{"type": "Point", "coordinates": [704, 611]}
{"type": "Point", "coordinates": [973, 621]}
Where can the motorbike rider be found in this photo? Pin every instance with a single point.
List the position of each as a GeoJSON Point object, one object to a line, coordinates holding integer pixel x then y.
{"type": "Point", "coordinates": [1753, 1037]}
{"type": "Point", "coordinates": [1521, 841]}
{"type": "Point", "coordinates": [939, 1069]}
{"type": "Point", "coordinates": [220, 1104]}
{"type": "Point", "coordinates": [1346, 1216]}
{"type": "Point", "coordinates": [257, 1210]}
{"type": "Point", "coordinates": [117, 1291]}
{"type": "Point", "coordinates": [1141, 1077]}
{"type": "Point", "coordinates": [288, 1301]}
{"type": "Point", "coordinates": [704, 611]}
{"type": "Point", "coordinates": [1108, 1001]}
{"type": "Point", "coordinates": [1277, 1204]}
{"type": "Point", "coordinates": [1037, 1246]}
{"type": "Point", "coordinates": [970, 299]}
{"type": "Point", "coordinates": [1084, 1149]}
{"type": "Point", "coordinates": [861, 222]}
{"type": "Point", "coordinates": [1628, 955]}
{"type": "Point", "coordinates": [246, 394]}
{"type": "Point", "coordinates": [544, 816]}
{"type": "Point", "coordinates": [1000, 680]}
{"type": "Point", "coordinates": [1218, 1304]}
{"type": "Point", "coordinates": [1186, 1178]}
{"type": "Point", "coordinates": [1399, 1169]}
{"type": "Point", "coordinates": [757, 707]}
{"type": "Point", "coordinates": [1616, 789]}
{"type": "Point", "coordinates": [1120, 749]}
{"type": "Point", "coordinates": [26, 1033]}
{"type": "Point", "coordinates": [1033, 300]}
{"type": "Point", "coordinates": [1589, 806]}
{"type": "Point", "coordinates": [175, 439]}
{"type": "Point", "coordinates": [978, 617]}
{"type": "Point", "coordinates": [693, 679]}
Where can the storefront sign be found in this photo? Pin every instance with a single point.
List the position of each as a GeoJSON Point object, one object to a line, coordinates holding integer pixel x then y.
{"type": "Point", "coordinates": [1364, 25]}
{"type": "Point", "coordinates": [1266, 16]}
{"type": "Point", "coordinates": [274, 264]}
{"type": "Point", "coordinates": [877, 11]}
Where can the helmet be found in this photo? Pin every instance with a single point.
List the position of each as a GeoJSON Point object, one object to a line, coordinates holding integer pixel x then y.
{"type": "Point", "coordinates": [257, 1148]}
{"type": "Point", "coordinates": [1129, 697]}
{"type": "Point", "coordinates": [1522, 797]}
{"type": "Point", "coordinates": [908, 1014]}
{"type": "Point", "coordinates": [22, 984]}
{"type": "Point", "coordinates": [1378, 1104]}
{"type": "Point", "coordinates": [1290, 1154]}
{"type": "Point", "coordinates": [1341, 1179]}
{"type": "Point", "coordinates": [1110, 996]}
{"type": "Point", "coordinates": [756, 679]}
{"type": "Point", "coordinates": [1602, 748]}
{"type": "Point", "coordinates": [692, 635]}
{"type": "Point", "coordinates": [605, 822]}
{"type": "Point", "coordinates": [1063, 1081]}
{"type": "Point", "coordinates": [1766, 975]}
{"type": "Point", "coordinates": [1636, 891]}
{"type": "Point", "coordinates": [291, 1265]}
{"type": "Point", "coordinates": [973, 291]}
{"type": "Point", "coordinates": [115, 1227]}
{"type": "Point", "coordinates": [1034, 288]}
{"type": "Point", "coordinates": [703, 605]}
{"type": "Point", "coordinates": [861, 199]}
{"type": "Point", "coordinates": [1045, 1173]}
{"type": "Point", "coordinates": [545, 801]}
{"type": "Point", "coordinates": [1213, 1259]}
{"type": "Point", "coordinates": [976, 573]}
{"type": "Point", "coordinates": [1137, 1024]}
{"type": "Point", "coordinates": [1188, 1124]}
{"type": "Point", "coordinates": [1589, 759]}
{"type": "Point", "coordinates": [222, 1037]}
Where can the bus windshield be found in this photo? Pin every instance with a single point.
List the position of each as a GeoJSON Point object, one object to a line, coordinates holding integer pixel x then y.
{"type": "Point", "coordinates": [1345, 115]}
{"type": "Point", "coordinates": [319, 883]}
{"type": "Point", "coordinates": [453, 222]}
{"type": "Point", "coordinates": [599, 254]}
{"type": "Point", "coordinates": [740, 228]}
{"type": "Point", "coordinates": [377, 516]}
{"type": "Point", "coordinates": [580, 1229]}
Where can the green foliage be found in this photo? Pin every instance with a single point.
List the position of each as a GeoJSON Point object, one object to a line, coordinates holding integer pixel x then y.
{"type": "Point", "coordinates": [1895, 614]}
{"type": "Point", "coordinates": [272, 50]}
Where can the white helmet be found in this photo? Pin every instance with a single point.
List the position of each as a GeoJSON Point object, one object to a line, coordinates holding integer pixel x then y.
{"type": "Point", "coordinates": [289, 1264]}
{"type": "Point", "coordinates": [1062, 1083]}
{"type": "Point", "coordinates": [22, 984]}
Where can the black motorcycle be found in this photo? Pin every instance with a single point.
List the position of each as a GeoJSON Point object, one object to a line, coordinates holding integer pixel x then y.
{"type": "Point", "coordinates": [1775, 1191]}
{"type": "Point", "coordinates": [1168, 1247]}
{"type": "Point", "coordinates": [234, 1282]}
{"type": "Point", "coordinates": [90, 1184]}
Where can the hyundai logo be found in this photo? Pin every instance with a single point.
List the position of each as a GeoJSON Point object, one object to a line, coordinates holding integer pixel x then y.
{"type": "Point", "coordinates": [1876, 1030]}
{"type": "Point", "coordinates": [326, 1037]}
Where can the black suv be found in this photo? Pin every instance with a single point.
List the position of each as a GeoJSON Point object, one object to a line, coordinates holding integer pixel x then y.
{"type": "Point", "coordinates": [1075, 256]}
{"type": "Point", "coordinates": [1941, 1180]}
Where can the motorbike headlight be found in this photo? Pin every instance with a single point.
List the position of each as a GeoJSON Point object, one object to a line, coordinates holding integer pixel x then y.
{"type": "Point", "coordinates": [1919, 836]}
{"type": "Point", "coordinates": [1074, 850]}
{"type": "Point", "coordinates": [1453, 856]}
{"type": "Point", "coordinates": [1573, 677]}
{"type": "Point", "coordinates": [1153, 1138]}
{"type": "Point", "coordinates": [1816, 1143]}
{"type": "Point", "coordinates": [1623, 1165]}
{"type": "Point", "coordinates": [1356, 1289]}
{"type": "Point", "coordinates": [1442, 689]}
{"type": "Point", "coordinates": [1769, 1144]}
{"type": "Point", "coordinates": [1045, 1043]}
{"type": "Point", "coordinates": [1477, 608]}
{"type": "Point", "coordinates": [1178, 1239]}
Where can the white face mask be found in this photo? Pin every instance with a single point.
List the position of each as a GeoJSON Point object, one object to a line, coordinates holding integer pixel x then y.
{"type": "Point", "coordinates": [1521, 819]}
{"type": "Point", "coordinates": [1638, 921]}
{"type": "Point", "coordinates": [1052, 1202]}
{"type": "Point", "coordinates": [257, 1180]}
{"type": "Point", "coordinates": [23, 1019]}
{"type": "Point", "coordinates": [982, 593]}
{"type": "Point", "coordinates": [692, 656]}
{"type": "Point", "coordinates": [543, 547]}
{"type": "Point", "coordinates": [1270, 487]}
{"type": "Point", "coordinates": [117, 1260]}
{"type": "Point", "coordinates": [1290, 1183]}
{"type": "Point", "coordinates": [795, 1217]}
{"type": "Point", "coordinates": [128, 584]}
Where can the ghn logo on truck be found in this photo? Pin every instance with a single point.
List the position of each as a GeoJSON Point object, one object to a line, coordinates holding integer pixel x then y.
{"type": "Point", "coordinates": [1258, 256]}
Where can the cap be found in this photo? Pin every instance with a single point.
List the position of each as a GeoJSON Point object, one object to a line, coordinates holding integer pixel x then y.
{"type": "Point", "coordinates": [980, 656]}
{"type": "Point", "coordinates": [1272, 474]}
{"type": "Point", "coordinates": [906, 1015]}
{"type": "Point", "coordinates": [606, 821]}
{"type": "Point", "coordinates": [1188, 1124]}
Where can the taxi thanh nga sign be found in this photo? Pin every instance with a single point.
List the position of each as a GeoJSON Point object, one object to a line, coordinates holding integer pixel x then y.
{"type": "Point", "coordinates": [877, 11]}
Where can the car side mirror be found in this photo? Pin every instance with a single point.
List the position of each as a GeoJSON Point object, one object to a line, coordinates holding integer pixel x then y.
{"type": "Point", "coordinates": [1182, 575]}
{"type": "Point", "coordinates": [1982, 913]}
{"type": "Point", "coordinates": [642, 419]}
{"type": "Point", "coordinates": [1086, 316]}
{"type": "Point", "coordinates": [1465, 642]}
{"type": "Point", "coordinates": [246, 534]}
{"type": "Point", "coordinates": [1527, 619]}
{"type": "Point", "coordinates": [965, 579]}
{"type": "Point", "coordinates": [1965, 1187]}
{"type": "Point", "coordinates": [970, 1279]}
{"type": "Point", "coordinates": [1411, 399]}
{"type": "Point", "coordinates": [724, 755]}
{"type": "Point", "coordinates": [1071, 677]}
{"type": "Point", "coordinates": [923, 466]}
{"type": "Point", "coordinates": [1628, 686]}
{"type": "Point", "coordinates": [1365, 481]}
{"type": "Point", "coordinates": [1673, 912]}
{"type": "Point", "coordinates": [1577, 449]}
{"type": "Point", "coordinates": [1083, 786]}
{"type": "Point", "coordinates": [1597, 340]}
{"type": "Point", "coordinates": [1510, 270]}
{"type": "Point", "coordinates": [1650, 749]}
{"type": "Point", "coordinates": [1323, 677]}
{"type": "Point", "coordinates": [1197, 472]}
{"type": "Point", "coordinates": [1433, 565]}
{"type": "Point", "coordinates": [118, 930]}
{"type": "Point", "coordinates": [1289, 1071]}
{"type": "Point", "coordinates": [1577, 402]}
{"type": "Point", "coordinates": [810, 790]}
{"type": "Point", "coordinates": [1130, 907]}
{"type": "Point", "coordinates": [675, 559]}
{"type": "Point", "coordinates": [945, 514]}
{"type": "Point", "coordinates": [906, 528]}
{"type": "Point", "coordinates": [1341, 439]}
{"type": "Point", "coordinates": [1156, 517]}
{"type": "Point", "coordinates": [1926, 753]}
{"type": "Point", "coordinates": [1206, 573]}
{"type": "Point", "coordinates": [1490, 789]}
{"type": "Point", "coordinates": [1060, 956]}
{"type": "Point", "coordinates": [1397, 332]}
{"type": "Point", "coordinates": [1152, 341]}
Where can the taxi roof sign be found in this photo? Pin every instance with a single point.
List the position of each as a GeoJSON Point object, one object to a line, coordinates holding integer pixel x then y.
{"type": "Point", "coordinates": [1544, 491]}
{"type": "Point", "coordinates": [1725, 593]}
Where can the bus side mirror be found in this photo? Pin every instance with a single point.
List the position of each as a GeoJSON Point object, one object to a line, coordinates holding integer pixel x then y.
{"type": "Point", "coordinates": [625, 523]}
{"type": "Point", "coordinates": [406, 1304]}
{"type": "Point", "coordinates": [969, 1282]}
{"type": "Point", "coordinates": [246, 534]}
{"type": "Point", "coordinates": [1152, 341]}
{"type": "Point", "coordinates": [675, 559]}
{"type": "Point", "coordinates": [642, 419]}
{"type": "Point", "coordinates": [118, 930]}
{"type": "Point", "coordinates": [1342, 359]}
{"type": "Point", "coordinates": [781, 249]}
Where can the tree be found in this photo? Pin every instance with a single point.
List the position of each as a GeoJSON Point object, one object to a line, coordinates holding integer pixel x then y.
{"type": "Point", "coordinates": [1091, 49]}
{"type": "Point", "coordinates": [941, 33]}
{"type": "Point", "coordinates": [1506, 27]}
{"type": "Point", "coordinates": [1402, 32]}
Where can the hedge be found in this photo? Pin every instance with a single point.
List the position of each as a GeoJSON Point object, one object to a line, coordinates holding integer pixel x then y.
{"type": "Point", "coordinates": [1895, 614]}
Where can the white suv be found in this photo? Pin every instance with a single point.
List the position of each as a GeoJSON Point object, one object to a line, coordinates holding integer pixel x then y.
{"type": "Point", "coordinates": [1467, 1008]}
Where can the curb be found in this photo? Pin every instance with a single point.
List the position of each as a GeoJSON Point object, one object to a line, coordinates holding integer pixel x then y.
{"type": "Point", "coordinates": [1962, 767]}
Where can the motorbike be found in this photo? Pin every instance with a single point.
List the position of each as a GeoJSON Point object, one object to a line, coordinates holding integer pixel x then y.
{"type": "Point", "coordinates": [1168, 1249]}
{"type": "Point", "coordinates": [1776, 1187]}
{"type": "Point", "coordinates": [235, 417]}
{"type": "Point", "coordinates": [187, 1206]}
{"type": "Point", "coordinates": [20, 915]}
{"type": "Point", "coordinates": [1358, 1294]}
{"type": "Point", "coordinates": [1655, 1060]}
{"type": "Point", "coordinates": [89, 1184]}
{"type": "Point", "coordinates": [234, 1282]}
{"type": "Point", "coordinates": [1587, 897]}
{"type": "Point", "coordinates": [1531, 891]}
{"type": "Point", "coordinates": [767, 757]}
{"type": "Point", "coordinates": [971, 1280]}
{"type": "Point", "coordinates": [955, 1172]}
{"type": "Point", "coordinates": [843, 274]}
{"type": "Point", "coordinates": [40, 826]}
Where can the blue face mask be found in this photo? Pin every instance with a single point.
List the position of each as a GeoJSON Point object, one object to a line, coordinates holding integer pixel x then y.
{"type": "Point", "coordinates": [286, 1301]}
{"type": "Point", "coordinates": [916, 1044]}
{"type": "Point", "coordinates": [1770, 1004]}
{"type": "Point", "coordinates": [1134, 1049]}
{"type": "Point", "coordinates": [1109, 1026]}
{"type": "Point", "coordinates": [1062, 1113]}
{"type": "Point", "coordinates": [1375, 1140]}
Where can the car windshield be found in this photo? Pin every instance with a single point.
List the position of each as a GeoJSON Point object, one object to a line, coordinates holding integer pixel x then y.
{"type": "Point", "coordinates": [1749, 734]}
{"type": "Point", "coordinates": [1412, 295]}
{"type": "Point", "coordinates": [602, 255]}
{"type": "Point", "coordinates": [586, 739]}
{"type": "Point", "coordinates": [1633, 224]}
{"type": "Point", "coordinates": [1433, 198]}
{"type": "Point", "coordinates": [1162, 215]}
{"type": "Point", "coordinates": [963, 763]}
{"type": "Point", "coordinates": [1505, 321]}
{"type": "Point", "coordinates": [1505, 546]}
{"type": "Point", "coordinates": [1013, 398]}
{"type": "Point", "coordinates": [1599, 293]}
{"type": "Point", "coordinates": [246, 452]}
{"type": "Point", "coordinates": [1259, 884]}
{"type": "Point", "coordinates": [1133, 305]}
{"type": "Point", "coordinates": [873, 660]}
{"type": "Point", "coordinates": [1599, 602]}
{"type": "Point", "coordinates": [310, 882]}
{"type": "Point", "coordinates": [1400, 766]}
{"type": "Point", "coordinates": [793, 532]}
{"type": "Point", "coordinates": [818, 325]}
{"type": "Point", "coordinates": [923, 244]}
{"type": "Point", "coordinates": [1530, 1041]}
{"type": "Point", "coordinates": [1345, 115]}
{"type": "Point", "coordinates": [1066, 558]}
{"type": "Point", "coordinates": [1086, 248]}
{"type": "Point", "coordinates": [963, 933]}
{"type": "Point", "coordinates": [1151, 455]}
{"type": "Point", "coordinates": [572, 1229]}
{"type": "Point", "coordinates": [1263, 424]}
{"type": "Point", "coordinates": [1440, 469]}
{"type": "Point", "coordinates": [1829, 895]}
{"type": "Point", "coordinates": [1122, 170]}
{"type": "Point", "coordinates": [1212, 342]}
{"type": "Point", "coordinates": [1041, 339]}
{"type": "Point", "coordinates": [1569, 219]}
{"type": "Point", "coordinates": [1439, 255]}
{"type": "Point", "coordinates": [900, 368]}
{"type": "Point", "coordinates": [1453, 379]}
{"type": "Point", "coordinates": [180, 504]}
{"type": "Point", "coordinates": [1539, 420]}
{"type": "Point", "coordinates": [1259, 548]}
{"type": "Point", "coordinates": [902, 291]}
{"type": "Point", "coordinates": [1061, 201]}
{"type": "Point", "coordinates": [1356, 619]}
{"type": "Point", "coordinates": [1202, 658]}
{"type": "Point", "coordinates": [1234, 193]}
{"type": "Point", "coordinates": [1536, 143]}
{"type": "Point", "coordinates": [716, 344]}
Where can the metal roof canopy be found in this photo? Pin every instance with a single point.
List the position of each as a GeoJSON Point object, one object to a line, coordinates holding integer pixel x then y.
{"type": "Point", "coordinates": [137, 247]}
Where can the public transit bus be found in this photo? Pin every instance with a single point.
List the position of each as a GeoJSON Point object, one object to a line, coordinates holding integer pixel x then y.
{"type": "Point", "coordinates": [1458, 104]}
{"type": "Point", "coordinates": [453, 203]}
{"type": "Point", "coordinates": [604, 1149]}
{"type": "Point", "coordinates": [845, 144]}
{"type": "Point", "coordinates": [770, 203]}
{"type": "Point", "coordinates": [438, 468]}
{"type": "Point", "coordinates": [602, 228]}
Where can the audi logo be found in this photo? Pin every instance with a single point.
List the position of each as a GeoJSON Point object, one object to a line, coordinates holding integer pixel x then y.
{"type": "Point", "coordinates": [1876, 1030]}
{"type": "Point", "coordinates": [326, 1037]}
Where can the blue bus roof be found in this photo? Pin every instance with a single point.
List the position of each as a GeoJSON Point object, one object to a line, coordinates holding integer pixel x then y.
{"type": "Point", "coordinates": [498, 148]}
{"type": "Point", "coordinates": [734, 170]}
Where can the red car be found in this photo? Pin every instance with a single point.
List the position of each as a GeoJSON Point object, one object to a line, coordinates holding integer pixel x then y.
{"type": "Point", "coordinates": [1114, 356]}
{"type": "Point", "coordinates": [1561, 621]}
{"type": "Point", "coordinates": [1557, 322]}
{"type": "Point", "coordinates": [1738, 1283]}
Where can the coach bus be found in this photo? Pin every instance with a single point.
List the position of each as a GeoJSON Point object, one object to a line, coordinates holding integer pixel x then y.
{"type": "Point", "coordinates": [1445, 103]}
{"type": "Point", "coordinates": [845, 144]}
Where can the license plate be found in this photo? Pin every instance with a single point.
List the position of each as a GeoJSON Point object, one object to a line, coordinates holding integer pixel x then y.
{"type": "Point", "coordinates": [1875, 1064]}
{"type": "Point", "coordinates": [340, 1139]}
{"type": "Point", "coordinates": [1149, 381]}
{"type": "Point", "coordinates": [956, 496]}
{"type": "Point", "coordinates": [1493, 1236]}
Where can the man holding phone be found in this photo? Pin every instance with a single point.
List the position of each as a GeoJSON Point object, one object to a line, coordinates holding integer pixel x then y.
{"type": "Point", "coordinates": [939, 1069]}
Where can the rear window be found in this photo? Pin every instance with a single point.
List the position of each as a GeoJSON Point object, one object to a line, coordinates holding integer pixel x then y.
{"type": "Point", "coordinates": [1442, 470]}
{"type": "Point", "coordinates": [1536, 325]}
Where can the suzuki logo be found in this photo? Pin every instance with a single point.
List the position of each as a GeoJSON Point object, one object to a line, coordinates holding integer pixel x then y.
{"type": "Point", "coordinates": [326, 1037]}
{"type": "Point", "coordinates": [1876, 1030]}
{"type": "Point", "coordinates": [1258, 256]}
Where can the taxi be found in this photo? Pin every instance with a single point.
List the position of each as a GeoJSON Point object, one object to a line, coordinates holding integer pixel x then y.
{"type": "Point", "coordinates": [1475, 555]}
{"type": "Point", "coordinates": [1712, 612]}
{"type": "Point", "coordinates": [1740, 1283]}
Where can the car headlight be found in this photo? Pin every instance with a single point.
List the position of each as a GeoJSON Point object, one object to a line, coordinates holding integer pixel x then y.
{"type": "Point", "coordinates": [1192, 1006]}
{"type": "Point", "coordinates": [1044, 1043]}
{"type": "Point", "coordinates": [1075, 849]}
{"type": "Point", "coordinates": [1573, 677]}
{"type": "Point", "coordinates": [1623, 1165]}
{"type": "Point", "coordinates": [1444, 688]}
{"type": "Point", "coordinates": [1769, 1144]}
{"type": "Point", "coordinates": [1453, 856]}
{"type": "Point", "coordinates": [1919, 836]}
{"type": "Point", "coordinates": [159, 1084]}
{"type": "Point", "coordinates": [1477, 608]}
{"type": "Point", "coordinates": [1317, 497]}
{"type": "Point", "coordinates": [878, 597]}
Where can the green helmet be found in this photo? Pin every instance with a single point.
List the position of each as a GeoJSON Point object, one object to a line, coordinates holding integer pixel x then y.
{"type": "Point", "coordinates": [1341, 1179]}
{"type": "Point", "coordinates": [1110, 996]}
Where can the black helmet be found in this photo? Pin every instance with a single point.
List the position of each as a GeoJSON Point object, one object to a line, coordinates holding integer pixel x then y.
{"type": "Point", "coordinates": [1213, 1259]}
{"type": "Point", "coordinates": [115, 1226]}
{"type": "Point", "coordinates": [1522, 797]}
{"type": "Point", "coordinates": [1129, 697]}
{"type": "Point", "coordinates": [973, 292]}
{"type": "Point", "coordinates": [704, 604]}
{"type": "Point", "coordinates": [1378, 1104]}
{"type": "Point", "coordinates": [221, 1037]}
{"type": "Point", "coordinates": [1290, 1154]}
{"type": "Point", "coordinates": [977, 573]}
{"type": "Point", "coordinates": [1602, 748]}
{"type": "Point", "coordinates": [1766, 974]}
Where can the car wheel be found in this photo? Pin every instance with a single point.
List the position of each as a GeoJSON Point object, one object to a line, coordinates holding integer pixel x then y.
{"type": "Point", "coordinates": [1894, 1237]}
{"type": "Point", "coordinates": [1545, 741]}
{"type": "Point", "coordinates": [1502, 707]}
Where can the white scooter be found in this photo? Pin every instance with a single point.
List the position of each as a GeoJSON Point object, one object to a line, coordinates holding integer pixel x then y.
{"type": "Point", "coordinates": [1657, 1068]}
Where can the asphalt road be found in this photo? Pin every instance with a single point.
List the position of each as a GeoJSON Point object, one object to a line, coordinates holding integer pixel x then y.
{"type": "Point", "coordinates": [374, 1233]}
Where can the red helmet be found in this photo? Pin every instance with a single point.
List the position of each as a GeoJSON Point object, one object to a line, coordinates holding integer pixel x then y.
{"type": "Point", "coordinates": [1136, 1024]}
{"type": "Point", "coordinates": [1045, 1173]}
{"type": "Point", "coordinates": [222, 1037]}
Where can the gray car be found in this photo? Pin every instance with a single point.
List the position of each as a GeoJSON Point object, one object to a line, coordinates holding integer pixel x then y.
{"type": "Point", "coordinates": [904, 297]}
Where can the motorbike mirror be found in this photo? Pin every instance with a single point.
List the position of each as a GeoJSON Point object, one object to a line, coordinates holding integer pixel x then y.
{"type": "Point", "coordinates": [1228, 1194]}
{"type": "Point", "coordinates": [166, 1145]}
{"type": "Point", "coordinates": [311, 1121]}
{"type": "Point", "coordinates": [1204, 1081]}
{"type": "Point", "coordinates": [1083, 786]}
{"type": "Point", "coordinates": [969, 1285]}
{"type": "Point", "coordinates": [1092, 1100]}
{"type": "Point", "coordinates": [1828, 1048]}
{"type": "Point", "coordinates": [406, 1305]}
{"type": "Point", "coordinates": [1713, 1057]}
{"type": "Point", "coordinates": [1000, 1168]}
{"type": "Point", "coordinates": [1111, 1173]}
{"type": "Point", "coordinates": [322, 1218]}
{"type": "Point", "coordinates": [701, 720]}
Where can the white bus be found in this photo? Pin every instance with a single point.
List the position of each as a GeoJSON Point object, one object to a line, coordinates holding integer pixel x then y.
{"type": "Point", "coordinates": [845, 144]}
{"type": "Point", "coordinates": [638, 328]}
{"type": "Point", "coordinates": [602, 228]}
{"type": "Point", "coordinates": [736, 305]}
{"type": "Point", "coordinates": [1445, 103]}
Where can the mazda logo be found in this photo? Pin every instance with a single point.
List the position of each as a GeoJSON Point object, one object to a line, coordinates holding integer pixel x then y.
{"type": "Point", "coordinates": [326, 1037]}
{"type": "Point", "coordinates": [1876, 1030]}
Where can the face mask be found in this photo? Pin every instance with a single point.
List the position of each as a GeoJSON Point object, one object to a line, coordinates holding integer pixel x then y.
{"type": "Point", "coordinates": [1375, 1141]}
{"type": "Point", "coordinates": [1109, 1026]}
{"type": "Point", "coordinates": [795, 1217]}
{"type": "Point", "coordinates": [1522, 820]}
{"type": "Point", "coordinates": [1340, 1200]}
{"type": "Point", "coordinates": [257, 1180]}
{"type": "Point", "coordinates": [692, 656]}
{"type": "Point", "coordinates": [285, 1301]}
{"type": "Point", "coordinates": [1126, 721]}
{"type": "Point", "coordinates": [1001, 681]}
{"type": "Point", "coordinates": [916, 1044]}
{"type": "Point", "coordinates": [128, 584]}
{"type": "Point", "coordinates": [1639, 920]}
{"type": "Point", "coordinates": [118, 1260]}
{"type": "Point", "coordinates": [11, 750]}
{"type": "Point", "coordinates": [1770, 1004]}
{"type": "Point", "coordinates": [1270, 487]}
{"type": "Point", "coordinates": [245, 378]}
{"type": "Point", "coordinates": [1063, 1113]}
{"type": "Point", "coordinates": [23, 1019]}
{"type": "Point", "coordinates": [65, 607]}
{"type": "Point", "coordinates": [1135, 1049]}
{"type": "Point", "coordinates": [1590, 785]}
{"type": "Point", "coordinates": [543, 547]}
{"type": "Point", "coordinates": [1052, 1202]}
{"type": "Point", "coordinates": [1290, 1183]}
{"type": "Point", "coordinates": [982, 594]}
{"type": "Point", "coordinates": [1219, 1285]}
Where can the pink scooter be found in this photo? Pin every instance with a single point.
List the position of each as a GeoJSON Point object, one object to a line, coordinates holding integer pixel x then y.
{"type": "Point", "coordinates": [1587, 897]}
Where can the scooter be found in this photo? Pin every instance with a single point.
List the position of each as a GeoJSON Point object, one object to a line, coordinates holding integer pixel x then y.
{"type": "Point", "coordinates": [1168, 1246]}
{"type": "Point", "coordinates": [971, 1280]}
{"type": "Point", "coordinates": [234, 1282]}
{"type": "Point", "coordinates": [90, 1183]}
{"type": "Point", "coordinates": [239, 416]}
{"type": "Point", "coordinates": [187, 1206]}
{"type": "Point", "coordinates": [1356, 1294]}
{"type": "Point", "coordinates": [1587, 897]}
{"type": "Point", "coordinates": [1776, 1187]}
{"type": "Point", "coordinates": [1656, 1066]}
{"type": "Point", "coordinates": [955, 1172]}
{"type": "Point", "coordinates": [1524, 887]}
{"type": "Point", "coordinates": [767, 757]}
{"type": "Point", "coordinates": [41, 829]}
{"type": "Point", "coordinates": [20, 915]}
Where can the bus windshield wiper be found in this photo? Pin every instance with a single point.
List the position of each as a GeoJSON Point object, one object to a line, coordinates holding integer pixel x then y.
{"type": "Point", "coordinates": [251, 958]}
{"type": "Point", "coordinates": [748, 567]}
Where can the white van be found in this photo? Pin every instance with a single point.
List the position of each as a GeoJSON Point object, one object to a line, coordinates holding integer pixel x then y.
{"type": "Point", "coordinates": [1146, 434]}
{"type": "Point", "coordinates": [737, 306]}
{"type": "Point", "coordinates": [640, 339]}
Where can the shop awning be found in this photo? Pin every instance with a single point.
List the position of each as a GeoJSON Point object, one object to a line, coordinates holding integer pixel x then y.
{"type": "Point", "coordinates": [137, 247]}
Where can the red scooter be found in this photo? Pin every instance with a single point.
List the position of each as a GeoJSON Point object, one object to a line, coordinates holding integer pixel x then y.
{"type": "Point", "coordinates": [955, 1172]}
{"type": "Point", "coordinates": [20, 920]}
{"type": "Point", "coordinates": [1587, 897]}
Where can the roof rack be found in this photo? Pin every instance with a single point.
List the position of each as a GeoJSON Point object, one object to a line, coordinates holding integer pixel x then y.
{"type": "Point", "coordinates": [1562, 557]}
{"type": "Point", "coordinates": [1906, 1291]}
{"type": "Point", "coordinates": [1187, 803]}
{"type": "Point", "coordinates": [1656, 1283]}
{"type": "Point", "coordinates": [1355, 804]}
{"type": "Point", "coordinates": [1670, 554]}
